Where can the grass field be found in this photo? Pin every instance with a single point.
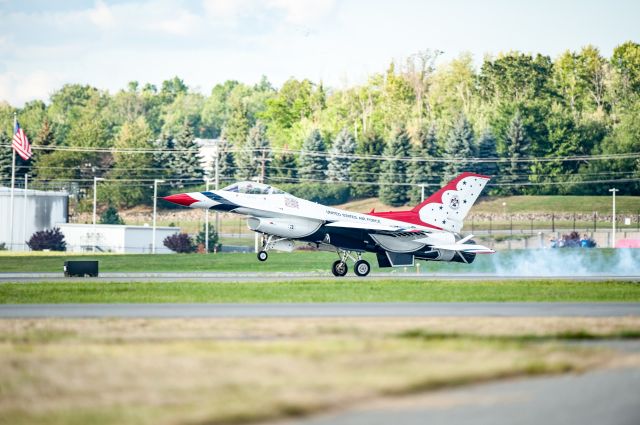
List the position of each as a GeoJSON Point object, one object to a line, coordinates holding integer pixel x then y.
{"type": "Point", "coordinates": [589, 261]}
{"type": "Point", "coordinates": [223, 371]}
{"type": "Point", "coordinates": [370, 290]}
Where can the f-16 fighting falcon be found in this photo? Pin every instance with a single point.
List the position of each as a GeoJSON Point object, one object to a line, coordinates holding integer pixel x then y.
{"type": "Point", "coordinates": [429, 231]}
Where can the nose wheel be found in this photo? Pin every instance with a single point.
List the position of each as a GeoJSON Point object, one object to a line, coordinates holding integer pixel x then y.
{"type": "Point", "coordinates": [262, 255]}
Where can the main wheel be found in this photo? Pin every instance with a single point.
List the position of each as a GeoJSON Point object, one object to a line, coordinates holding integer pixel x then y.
{"type": "Point", "coordinates": [262, 255]}
{"type": "Point", "coordinates": [339, 268]}
{"type": "Point", "coordinates": [362, 268]}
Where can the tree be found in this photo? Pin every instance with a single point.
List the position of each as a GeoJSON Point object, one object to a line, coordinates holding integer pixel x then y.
{"type": "Point", "coordinates": [517, 144]}
{"type": "Point", "coordinates": [255, 154]}
{"type": "Point", "coordinates": [213, 238]}
{"type": "Point", "coordinates": [487, 149]}
{"type": "Point", "coordinates": [111, 216]}
{"type": "Point", "coordinates": [458, 148]}
{"type": "Point", "coordinates": [5, 159]}
{"type": "Point", "coordinates": [394, 189]}
{"type": "Point", "coordinates": [365, 172]}
{"type": "Point", "coordinates": [313, 163]}
{"type": "Point", "coordinates": [186, 166]}
{"type": "Point", "coordinates": [130, 169]}
{"type": "Point", "coordinates": [226, 161]}
{"type": "Point", "coordinates": [423, 172]}
{"type": "Point", "coordinates": [342, 150]}
{"type": "Point", "coordinates": [626, 61]}
{"type": "Point", "coordinates": [284, 167]}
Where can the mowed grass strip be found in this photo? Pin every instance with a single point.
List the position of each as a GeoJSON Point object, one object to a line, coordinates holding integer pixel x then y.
{"type": "Point", "coordinates": [334, 290]}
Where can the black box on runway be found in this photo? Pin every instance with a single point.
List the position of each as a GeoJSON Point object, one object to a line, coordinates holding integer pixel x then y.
{"type": "Point", "coordinates": [81, 268]}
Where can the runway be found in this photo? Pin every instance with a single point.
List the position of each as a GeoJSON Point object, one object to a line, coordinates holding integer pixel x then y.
{"type": "Point", "coordinates": [428, 309]}
{"type": "Point", "coordinates": [288, 276]}
{"type": "Point", "coordinates": [608, 396]}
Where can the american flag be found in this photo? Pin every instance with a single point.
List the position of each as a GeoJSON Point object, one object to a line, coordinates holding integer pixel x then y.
{"type": "Point", "coordinates": [21, 143]}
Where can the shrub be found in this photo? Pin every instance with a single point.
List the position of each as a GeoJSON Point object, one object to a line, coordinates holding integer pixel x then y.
{"type": "Point", "coordinates": [111, 216]}
{"type": "Point", "coordinates": [180, 243]}
{"type": "Point", "coordinates": [48, 239]}
{"type": "Point", "coordinates": [213, 238]}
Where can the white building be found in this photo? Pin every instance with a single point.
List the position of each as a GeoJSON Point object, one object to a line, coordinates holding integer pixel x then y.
{"type": "Point", "coordinates": [208, 153]}
{"type": "Point", "coordinates": [33, 210]}
{"type": "Point", "coordinates": [115, 238]}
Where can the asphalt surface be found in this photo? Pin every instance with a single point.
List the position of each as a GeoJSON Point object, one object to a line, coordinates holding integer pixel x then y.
{"type": "Point", "coordinates": [468, 309]}
{"type": "Point", "coordinates": [280, 276]}
{"type": "Point", "coordinates": [608, 396]}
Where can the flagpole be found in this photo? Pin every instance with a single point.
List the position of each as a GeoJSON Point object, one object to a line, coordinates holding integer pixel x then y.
{"type": "Point", "coordinates": [13, 182]}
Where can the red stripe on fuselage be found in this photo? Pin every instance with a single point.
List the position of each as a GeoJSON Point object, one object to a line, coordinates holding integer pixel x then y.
{"type": "Point", "coordinates": [405, 216]}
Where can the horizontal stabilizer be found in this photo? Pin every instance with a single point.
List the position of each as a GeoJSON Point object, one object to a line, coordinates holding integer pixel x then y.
{"type": "Point", "coordinates": [470, 248]}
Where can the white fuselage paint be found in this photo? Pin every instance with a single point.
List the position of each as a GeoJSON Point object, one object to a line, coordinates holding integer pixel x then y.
{"type": "Point", "coordinates": [286, 205]}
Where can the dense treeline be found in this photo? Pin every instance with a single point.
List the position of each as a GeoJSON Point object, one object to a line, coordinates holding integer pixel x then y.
{"type": "Point", "coordinates": [556, 126]}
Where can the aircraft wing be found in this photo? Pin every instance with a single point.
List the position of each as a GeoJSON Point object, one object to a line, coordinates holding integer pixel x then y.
{"type": "Point", "coordinates": [470, 248]}
{"type": "Point", "coordinates": [365, 226]}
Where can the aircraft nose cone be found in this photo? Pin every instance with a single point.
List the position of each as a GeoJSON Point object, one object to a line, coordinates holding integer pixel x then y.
{"type": "Point", "coordinates": [180, 199]}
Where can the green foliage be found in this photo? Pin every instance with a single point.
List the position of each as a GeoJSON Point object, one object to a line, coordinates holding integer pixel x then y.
{"type": "Point", "coordinates": [394, 189]}
{"type": "Point", "coordinates": [227, 162]}
{"type": "Point", "coordinates": [111, 216]}
{"type": "Point", "coordinates": [424, 172]}
{"type": "Point", "coordinates": [185, 164]}
{"type": "Point", "coordinates": [342, 150]}
{"type": "Point", "coordinates": [367, 171]}
{"type": "Point", "coordinates": [487, 149]}
{"type": "Point", "coordinates": [313, 165]}
{"type": "Point", "coordinates": [459, 145]}
{"type": "Point", "coordinates": [517, 143]}
{"type": "Point", "coordinates": [130, 169]}
{"type": "Point", "coordinates": [255, 154]}
{"type": "Point", "coordinates": [5, 159]}
{"type": "Point", "coordinates": [213, 238]}
{"type": "Point", "coordinates": [285, 167]}
{"type": "Point", "coordinates": [326, 194]}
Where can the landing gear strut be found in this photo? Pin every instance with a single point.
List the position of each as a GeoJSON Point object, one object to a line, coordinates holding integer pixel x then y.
{"type": "Point", "coordinates": [339, 267]}
{"type": "Point", "coordinates": [267, 244]}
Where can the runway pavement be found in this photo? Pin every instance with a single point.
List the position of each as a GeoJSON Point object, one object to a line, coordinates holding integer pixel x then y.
{"type": "Point", "coordinates": [288, 276]}
{"type": "Point", "coordinates": [428, 309]}
{"type": "Point", "coordinates": [608, 396]}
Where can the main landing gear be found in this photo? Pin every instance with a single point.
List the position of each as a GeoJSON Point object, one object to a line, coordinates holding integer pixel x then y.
{"type": "Point", "coordinates": [360, 267]}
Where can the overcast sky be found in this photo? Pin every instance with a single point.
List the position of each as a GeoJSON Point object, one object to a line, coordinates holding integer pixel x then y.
{"type": "Point", "coordinates": [45, 43]}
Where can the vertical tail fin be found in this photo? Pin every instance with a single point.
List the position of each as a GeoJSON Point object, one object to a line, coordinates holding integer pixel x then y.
{"type": "Point", "coordinates": [448, 207]}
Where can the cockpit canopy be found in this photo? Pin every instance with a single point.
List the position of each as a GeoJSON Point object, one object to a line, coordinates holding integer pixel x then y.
{"type": "Point", "coordinates": [253, 188]}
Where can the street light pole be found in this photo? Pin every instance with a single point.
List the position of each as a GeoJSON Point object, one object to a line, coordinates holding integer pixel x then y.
{"type": "Point", "coordinates": [95, 186]}
{"type": "Point", "coordinates": [155, 201]}
{"type": "Point", "coordinates": [206, 220]}
{"type": "Point", "coordinates": [613, 221]}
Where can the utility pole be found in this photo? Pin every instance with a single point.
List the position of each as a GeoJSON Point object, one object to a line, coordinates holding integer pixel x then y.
{"type": "Point", "coordinates": [13, 182]}
{"type": "Point", "coordinates": [613, 221]}
{"type": "Point", "coordinates": [217, 182]}
{"type": "Point", "coordinates": [206, 220]}
{"type": "Point", "coordinates": [155, 201]}
{"type": "Point", "coordinates": [421, 193]}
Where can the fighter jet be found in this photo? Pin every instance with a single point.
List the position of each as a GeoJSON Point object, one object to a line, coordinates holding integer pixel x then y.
{"type": "Point", "coordinates": [430, 231]}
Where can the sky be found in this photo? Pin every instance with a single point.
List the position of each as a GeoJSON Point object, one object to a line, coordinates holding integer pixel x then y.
{"type": "Point", "coordinates": [45, 44]}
